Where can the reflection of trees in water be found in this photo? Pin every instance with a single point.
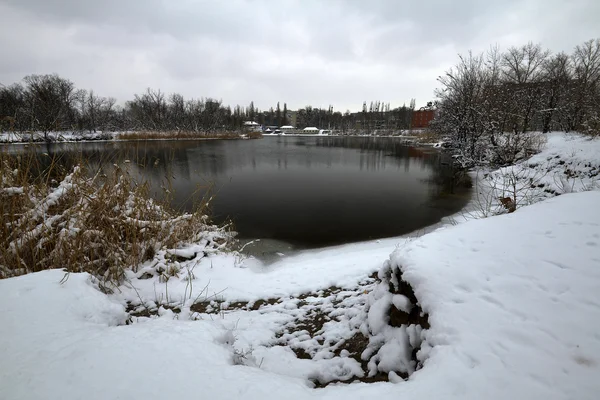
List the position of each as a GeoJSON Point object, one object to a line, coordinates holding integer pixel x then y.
{"type": "Point", "coordinates": [159, 160]}
{"type": "Point", "coordinates": [376, 151]}
{"type": "Point", "coordinates": [190, 164]}
{"type": "Point", "coordinates": [446, 179]}
{"type": "Point", "coordinates": [443, 179]}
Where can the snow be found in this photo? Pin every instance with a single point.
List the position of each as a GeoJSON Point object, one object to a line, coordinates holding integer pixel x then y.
{"type": "Point", "coordinates": [247, 279]}
{"type": "Point", "coordinates": [518, 301]}
{"type": "Point", "coordinates": [569, 163]}
{"type": "Point", "coordinates": [512, 304]}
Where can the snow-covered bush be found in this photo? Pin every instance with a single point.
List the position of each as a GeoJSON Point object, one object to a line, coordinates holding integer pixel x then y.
{"type": "Point", "coordinates": [102, 223]}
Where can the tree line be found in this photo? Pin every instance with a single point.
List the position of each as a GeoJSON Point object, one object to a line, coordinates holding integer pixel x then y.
{"type": "Point", "coordinates": [488, 102]}
{"type": "Point", "coordinates": [48, 103]}
{"type": "Point", "coordinates": [51, 103]}
{"type": "Point", "coordinates": [378, 117]}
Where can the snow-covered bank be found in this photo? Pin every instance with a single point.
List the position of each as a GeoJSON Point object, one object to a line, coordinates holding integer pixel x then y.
{"type": "Point", "coordinates": [568, 163]}
{"type": "Point", "coordinates": [511, 301]}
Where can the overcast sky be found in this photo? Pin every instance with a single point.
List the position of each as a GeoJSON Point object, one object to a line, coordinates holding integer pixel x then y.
{"type": "Point", "coordinates": [338, 52]}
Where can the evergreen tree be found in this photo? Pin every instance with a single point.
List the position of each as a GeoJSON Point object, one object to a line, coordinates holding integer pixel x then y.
{"type": "Point", "coordinates": [278, 115]}
{"type": "Point", "coordinates": [285, 113]}
{"type": "Point", "coordinates": [251, 111]}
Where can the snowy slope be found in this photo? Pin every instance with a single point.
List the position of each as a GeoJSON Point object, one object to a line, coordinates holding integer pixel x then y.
{"type": "Point", "coordinates": [568, 163]}
{"type": "Point", "coordinates": [512, 302]}
{"type": "Point", "coordinates": [239, 278]}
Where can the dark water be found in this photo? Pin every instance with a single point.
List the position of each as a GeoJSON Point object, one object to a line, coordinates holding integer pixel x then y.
{"type": "Point", "coordinates": [308, 191]}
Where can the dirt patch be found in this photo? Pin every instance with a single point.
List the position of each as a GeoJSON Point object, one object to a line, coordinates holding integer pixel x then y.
{"type": "Point", "coordinates": [217, 306]}
{"type": "Point", "coordinates": [260, 303]}
{"type": "Point", "coordinates": [301, 353]}
{"type": "Point", "coordinates": [380, 377]}
{"type": "Point", "coordinates": [141, 311]}
{"type": "Point", "coordinates": [354, 346]}
{"type": "Point", "coordinates": [313, 323]}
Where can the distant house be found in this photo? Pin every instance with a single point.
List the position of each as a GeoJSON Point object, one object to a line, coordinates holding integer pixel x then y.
{"type": "Point", "coordinates": [310, 129]}
{"type": "Point", "coordinates": [287, 129]}
{"type": "Point", "coordinates": [251, 126]}
{"type": "Point", "coordinates": [422, 118]}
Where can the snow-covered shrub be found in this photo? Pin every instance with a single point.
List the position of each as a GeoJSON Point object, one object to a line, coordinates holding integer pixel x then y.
{"type": "Point", "coordinates": [102, 223]}
{"type": "Point", "coordinates": [395, 325]}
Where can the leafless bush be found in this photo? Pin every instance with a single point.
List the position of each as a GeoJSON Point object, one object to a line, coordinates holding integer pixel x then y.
{"type": "Point", "coordinates": [505, 190]}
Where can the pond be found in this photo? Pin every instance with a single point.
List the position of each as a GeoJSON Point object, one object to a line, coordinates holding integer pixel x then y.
{"type": "Point", "coordinates": [308, 192]}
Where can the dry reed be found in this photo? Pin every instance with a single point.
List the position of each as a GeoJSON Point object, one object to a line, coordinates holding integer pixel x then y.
{"type": "Point", "coordinates": [102, 222]}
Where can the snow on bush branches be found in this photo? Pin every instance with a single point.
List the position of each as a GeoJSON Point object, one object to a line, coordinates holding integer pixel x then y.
{"type": "Point", "coordinates": [101, 224]}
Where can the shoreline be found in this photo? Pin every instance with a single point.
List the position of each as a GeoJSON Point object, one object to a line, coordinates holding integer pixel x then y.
{"type": "Point", "coordinates": [269, 251]}
{"type": "Point", "coordinates": [409, 139]}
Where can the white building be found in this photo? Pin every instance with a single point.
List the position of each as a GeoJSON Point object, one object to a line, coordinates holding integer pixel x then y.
{"type": "Point", "coordinates": [252, 126]}
{"type": "Point", "coordinates": [287, 129]}
{"type": "Point", "coordinates": [310, 129]}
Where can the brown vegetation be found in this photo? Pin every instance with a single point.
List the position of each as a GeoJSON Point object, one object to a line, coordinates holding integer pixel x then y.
{"type": "Point", "coordinates": [101, 222]}
{"type": "Point", "coordinates": [254, 135]}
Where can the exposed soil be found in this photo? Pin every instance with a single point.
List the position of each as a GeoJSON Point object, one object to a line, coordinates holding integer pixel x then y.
{"type": "Point", "coordinates": [321, 307]}
{"type": "Point", "coordinates": [217, 306]}
{"type": "Point", "coordinates": [313, 322]}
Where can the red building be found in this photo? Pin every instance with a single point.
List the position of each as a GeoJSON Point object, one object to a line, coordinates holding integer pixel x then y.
{"type": "Point", "coordinates": [422, 118]}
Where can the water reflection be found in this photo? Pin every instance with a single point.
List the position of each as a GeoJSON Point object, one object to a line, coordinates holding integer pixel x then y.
{"type": "Point", "coordinates": [308, 191]}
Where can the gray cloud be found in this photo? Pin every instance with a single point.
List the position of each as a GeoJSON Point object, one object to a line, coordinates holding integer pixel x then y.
{"type": "Point", "coordinates": [338, 52]}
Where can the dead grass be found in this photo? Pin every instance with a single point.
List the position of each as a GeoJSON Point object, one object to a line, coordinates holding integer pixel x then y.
{"type": "Point", "coordinates": [254, 135]}
{"type": "Point", "coordinates": [102, 222]}
{"type": "Point", "coordinates": [177, 135]}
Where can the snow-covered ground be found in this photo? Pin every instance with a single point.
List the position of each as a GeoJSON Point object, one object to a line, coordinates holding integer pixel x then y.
{"type": "Point", "coordinates": [512, 304]}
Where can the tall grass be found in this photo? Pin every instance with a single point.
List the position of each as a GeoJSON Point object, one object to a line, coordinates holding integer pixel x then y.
{"type": "Point", "coordinates": [254, 135]}
{"type": "Point", "coordinates": [67, 215]}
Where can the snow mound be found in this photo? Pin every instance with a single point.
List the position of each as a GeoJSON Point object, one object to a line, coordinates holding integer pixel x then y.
{"type": "Point", "coordinates": [394, 324]}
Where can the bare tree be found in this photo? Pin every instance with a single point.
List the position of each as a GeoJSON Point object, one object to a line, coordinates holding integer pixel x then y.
{"type": "Point", "coordinates": [12, 104]}
{"type": "Point", "coordinates": [556, 77]}
{"type": "Point", "coordinates": [586, 76]}
{"type": "Point", "coordinates": [460, 112]}
{"type": "Point", "coordinates": [49, 100]}
{"type": "Point", "coordinates": [523, 67]}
